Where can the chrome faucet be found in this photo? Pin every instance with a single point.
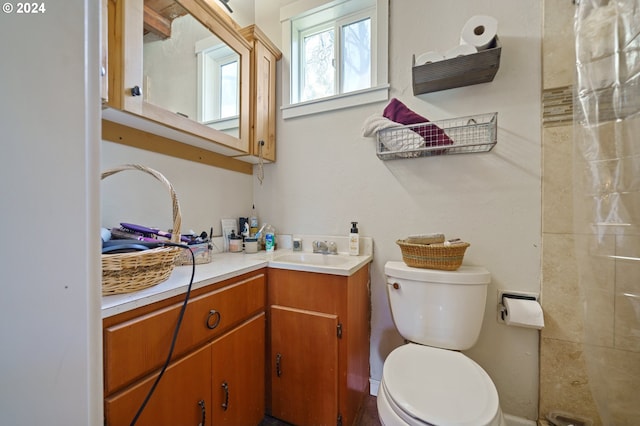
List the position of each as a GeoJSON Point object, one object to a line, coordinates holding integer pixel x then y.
{"type": "Point", "coordinates": [325, 247]}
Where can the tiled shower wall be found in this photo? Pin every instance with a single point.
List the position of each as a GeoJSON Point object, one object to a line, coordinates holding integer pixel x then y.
{"type": "Point", "coordinates": [564, 382]}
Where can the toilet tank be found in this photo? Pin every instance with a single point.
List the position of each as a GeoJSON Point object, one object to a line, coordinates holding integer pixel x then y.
{"type": "Point", "coordinates": [442, 309]}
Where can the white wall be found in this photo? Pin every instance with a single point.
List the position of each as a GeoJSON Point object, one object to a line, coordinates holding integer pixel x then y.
{"type": "Point", "coordinates": [51, 356]}
{"type": "Point", "coordinates": [327, 175]}
{"type": "Point", "coordinates": [206, 194]}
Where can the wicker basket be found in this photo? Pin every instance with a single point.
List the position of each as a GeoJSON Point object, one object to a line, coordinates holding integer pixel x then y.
{"type": "Point", "coordinates": [129, 272]}
{"type": "Point", "coordinates": [433, 256]}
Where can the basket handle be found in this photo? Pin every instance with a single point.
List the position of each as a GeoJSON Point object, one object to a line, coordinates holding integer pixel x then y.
{"type": "Point", "coordinates": [177, 217]}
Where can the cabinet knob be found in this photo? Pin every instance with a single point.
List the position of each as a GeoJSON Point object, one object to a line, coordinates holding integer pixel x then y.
{"type": "Point", "coordinates": [135, 91]}
{"type": "Point", "coordinates": [213, 319]}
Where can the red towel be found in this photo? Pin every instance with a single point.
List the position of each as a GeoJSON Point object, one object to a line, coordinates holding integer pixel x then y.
{"type": "Point", "coordinates": [432, 134]}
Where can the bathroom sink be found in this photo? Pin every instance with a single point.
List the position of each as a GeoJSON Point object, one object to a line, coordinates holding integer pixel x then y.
{"type": "Point", "coordinates": [314, 259]}
{"type": "Point", "coordinates": [335, 264]}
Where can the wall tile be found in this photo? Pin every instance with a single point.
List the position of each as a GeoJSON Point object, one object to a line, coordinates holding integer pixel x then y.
{"type": "Point", "coordinates": [561, 299]}
{"type": "Point", "coordinates": [558, 47]}
{"type": "Point", "coordinates": [564, 292]}
{"type": "Point", "coordinates": [557, 179]}
{"type": "Point", "coordinates": [597, 278]}
{"type": "Point", "coordinates": [627, 298]}
{"type": "Point", "coordinates": [564, 383]}
{"type": "Point", "coordinates": [613, 379]}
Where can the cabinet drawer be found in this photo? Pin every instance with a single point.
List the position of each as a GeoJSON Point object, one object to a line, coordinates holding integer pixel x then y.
{"type": "Point", "coordinates": [307, 290]}
{"type": "Point", "coordinates": [134, 348]}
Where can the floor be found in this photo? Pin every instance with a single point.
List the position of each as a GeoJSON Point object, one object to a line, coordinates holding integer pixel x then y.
{"type": "Point", "coordinates": [368, 415]}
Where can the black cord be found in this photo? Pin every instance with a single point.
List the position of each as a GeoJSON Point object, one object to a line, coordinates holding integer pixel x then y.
{"type": "Point", "coordinates": [175, 332]}
{"type": "Point", "coordinates": [226, 4]}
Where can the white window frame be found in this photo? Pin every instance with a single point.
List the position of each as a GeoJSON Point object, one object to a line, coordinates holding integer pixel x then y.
{"type": "Point", "coordinates": [303, 13]}
{"type": "Point", "coordinates": [211, 57]}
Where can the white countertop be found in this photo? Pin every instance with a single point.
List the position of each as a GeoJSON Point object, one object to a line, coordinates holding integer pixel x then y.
{"type": "Point", "coordinates": [222, 267]}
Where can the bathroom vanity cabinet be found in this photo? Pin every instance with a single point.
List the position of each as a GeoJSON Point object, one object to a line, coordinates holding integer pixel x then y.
{"type": "Point", "coordinates": [318, 346]}
{"type": "Point", "coordinates": [218, 367]}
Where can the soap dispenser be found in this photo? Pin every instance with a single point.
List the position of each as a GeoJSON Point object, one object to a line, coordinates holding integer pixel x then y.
{"type": "Point", "coordinates": [354, 240]}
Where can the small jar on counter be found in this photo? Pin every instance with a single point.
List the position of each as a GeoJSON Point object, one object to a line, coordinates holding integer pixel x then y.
{"type": "Point", "coordinates": [235, 243]}
{"type": "Point", "coordinates": [251, 245]}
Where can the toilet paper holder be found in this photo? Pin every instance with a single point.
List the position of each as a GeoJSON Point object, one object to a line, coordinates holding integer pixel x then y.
{"type": "Point", "coordinates": [502, 294]}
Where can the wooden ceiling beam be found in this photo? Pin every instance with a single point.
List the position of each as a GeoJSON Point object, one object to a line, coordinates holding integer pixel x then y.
{"type": "Point", "coordinates": [156, 23]}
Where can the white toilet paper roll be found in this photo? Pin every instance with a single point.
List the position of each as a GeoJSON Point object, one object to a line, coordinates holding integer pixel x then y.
{"type": "Point", "coordinates": [479, 31]}
{"type": "Point", "coordinates": [460, 50]}
{"type": "Point", "coordinates": [523, 313]}
{"type": "Point", "coordinates": [429, 57]}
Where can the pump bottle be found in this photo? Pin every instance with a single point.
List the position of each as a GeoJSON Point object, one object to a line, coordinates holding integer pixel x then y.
{"type": "Point", "coordinates": [354, 240]}
{"type": "Point", "coordinates": [253, 222]}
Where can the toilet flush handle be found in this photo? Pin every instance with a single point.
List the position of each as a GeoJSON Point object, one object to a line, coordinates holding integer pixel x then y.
{"type": "Point", "coordinates": [394, 284]}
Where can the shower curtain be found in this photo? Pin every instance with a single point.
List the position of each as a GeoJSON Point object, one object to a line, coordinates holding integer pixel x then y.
{"type": "Point", "coordinates": [607, 201]}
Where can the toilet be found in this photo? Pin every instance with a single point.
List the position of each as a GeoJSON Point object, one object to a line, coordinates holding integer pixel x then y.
{"type": "Point", "coordinates": [428, 381]}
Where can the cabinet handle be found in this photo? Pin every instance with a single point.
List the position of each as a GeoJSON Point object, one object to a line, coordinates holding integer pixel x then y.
{"type": "Point", "coordinates": [215, 315]}
{"type": "Point", "coordinates": [225, 404]}
{"type": "Point", "coordinates": [204, 412]}
{"type": "Point", "coordinates": [278, 361]}
{"type": "Point", "coordinates": [135, 91]}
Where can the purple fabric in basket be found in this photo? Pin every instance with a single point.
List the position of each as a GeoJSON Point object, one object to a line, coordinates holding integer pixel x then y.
{"type": "Point", "coordinates": [400, 113]}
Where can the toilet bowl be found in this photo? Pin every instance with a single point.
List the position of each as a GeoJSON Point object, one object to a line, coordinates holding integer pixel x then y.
{"type": "Point", "coordinates": [422, 386]}
{"type": "Point", "coordinates": [428, 381]}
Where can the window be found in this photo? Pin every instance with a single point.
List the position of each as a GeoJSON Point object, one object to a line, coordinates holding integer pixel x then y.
{"type": "Point", "coordinates": [228, 85]}
{"type": "Point", "coordinates": [218, 83]}
{"type": "Point", "coordinates": [337, 52]}
{"type": "Point", "coordinates": [316, 67]}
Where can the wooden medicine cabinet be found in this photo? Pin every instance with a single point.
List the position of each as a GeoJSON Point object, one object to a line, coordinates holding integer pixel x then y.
{"type": "Point", "coordinates": [264, 56]}
{"type": "Point", "coordinates": [179, 82]}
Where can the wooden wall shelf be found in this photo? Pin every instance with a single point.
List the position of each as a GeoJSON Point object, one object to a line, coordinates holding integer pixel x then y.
{"type": "Point", "coordinates": [462, 71]}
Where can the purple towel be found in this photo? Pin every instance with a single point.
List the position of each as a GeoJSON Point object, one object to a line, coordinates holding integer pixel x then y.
{"type": "Point", "coordinates": [432, 134]}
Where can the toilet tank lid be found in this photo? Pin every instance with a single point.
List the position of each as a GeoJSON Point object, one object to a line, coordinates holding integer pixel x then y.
{"type": "Point", "coordinates": [466, 274]}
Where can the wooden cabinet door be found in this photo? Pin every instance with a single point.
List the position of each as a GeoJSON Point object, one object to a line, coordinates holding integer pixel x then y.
{"type": "Point", "coordinates": [265, 103]}
{"type": "Point", "coordinates": [238, 375]}
{"type": "Point", "coordinates": [179, 399]}
{"type": "Point", "coordinates": [264, 56]}
{"type": "Point", "coordinates": [304, 366]}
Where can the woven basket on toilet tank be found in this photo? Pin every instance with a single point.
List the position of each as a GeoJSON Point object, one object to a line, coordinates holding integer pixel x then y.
{"type": "Point", "coordinates": [446, 256]}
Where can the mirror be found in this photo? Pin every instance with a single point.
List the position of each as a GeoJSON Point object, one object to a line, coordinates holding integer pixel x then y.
{"type": "Point", "coordinates": [218, 85]}
{"type": "Point", "coordinates": [159, 91]}
{"type": "Point", "coordinates": [188, 70]}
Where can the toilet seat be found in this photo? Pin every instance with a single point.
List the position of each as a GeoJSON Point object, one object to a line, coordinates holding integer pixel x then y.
{"type": "Point", "coordinates": [432, 386]}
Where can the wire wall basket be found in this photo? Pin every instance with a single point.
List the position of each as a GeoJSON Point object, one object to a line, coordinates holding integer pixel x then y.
{"type": "Point", "coordinates": [464, 135]}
